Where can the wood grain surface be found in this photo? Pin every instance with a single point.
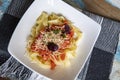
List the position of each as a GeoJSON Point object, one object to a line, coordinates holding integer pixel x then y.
{"type": "Point", "coordinates": [103, 8]}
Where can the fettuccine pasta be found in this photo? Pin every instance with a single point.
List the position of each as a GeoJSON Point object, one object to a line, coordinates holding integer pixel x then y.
{"type": "Point", "coordinates": [53, 41]}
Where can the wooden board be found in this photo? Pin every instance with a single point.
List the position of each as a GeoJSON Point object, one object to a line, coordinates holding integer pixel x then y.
{"type": "Point", "coordinates": [103, 8]}
{"type": "Point", "coordinates": [100, 7]}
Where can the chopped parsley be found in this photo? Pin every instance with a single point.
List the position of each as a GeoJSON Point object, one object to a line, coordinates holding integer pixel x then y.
{"type": "Point", "coordinates": [36, 24]}
{"type": "Point", "coordinates": [56, 31]}
{"type": "Point", "coordinates": [63, 35]}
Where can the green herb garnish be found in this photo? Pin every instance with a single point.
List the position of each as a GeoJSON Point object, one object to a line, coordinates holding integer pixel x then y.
{"type": "Point", "coordinates": [63, 35]}
{"type": "Point", "coordinates": [36, 24]}
{"type": "Point", "coordinates": [56, 31]}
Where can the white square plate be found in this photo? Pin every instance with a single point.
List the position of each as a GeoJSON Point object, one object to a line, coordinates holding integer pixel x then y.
{"type": "Point", "coordinates": [89, 28]}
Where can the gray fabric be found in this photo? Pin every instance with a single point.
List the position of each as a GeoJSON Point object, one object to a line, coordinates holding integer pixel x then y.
{"type": "Point", "coordinates": [18, 7]}
{"type": "Point", "coordinates": [108, 38]}
{"type": "Point", "coordinates": [14, 70]}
